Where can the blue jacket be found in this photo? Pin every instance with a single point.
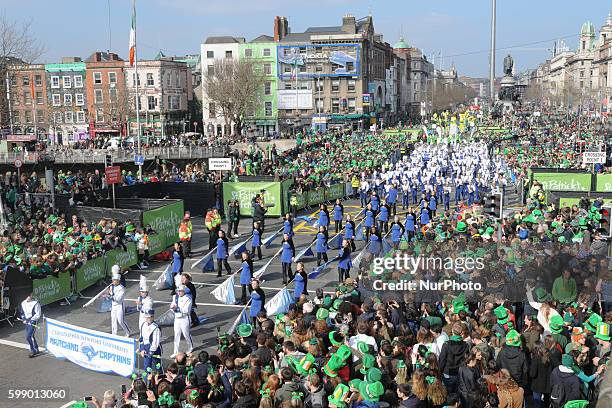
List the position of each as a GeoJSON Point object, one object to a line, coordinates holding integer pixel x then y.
{"type": "Point", "coordinates": [287, 228]}
{"type": "Point", "coordinates": [349, 230]}
{"type": "Point", "coordinates": [344, 256]}
{"type": "Point", "coordinates": [221, 249]}
{"type": "Point", "coordinates": [396, 232]}
{"type": "Point", "coordinates": [256, 303]}
{"type": "Point", "coordinates": [256, 238]}
{"type": "Point", "coordinates": [392, 195]}
{"type": "Point", "coordinates": [300, 282]}
{"type": "Point", "coordinates": [246, 273]}
{"type": "Point", "coordinates": [176, 262]}
{"type": "Point", "coordinates": [287, 253]}
{"type": "Point", "coordinates": [424, 216]}
{"type": "Point", "coordinates": [375, 203]}
{"type": "Point", "coordinates": [409, 223]}
{"type": "Point", "coordinates": [323, 218]}
{"type": "Point", "coordinates": [375, 244]}
{"type": "Point", "coordinates": [369, 218]}
{"type": "Point", "coordinates": [338, 213]}
{"type": "Point", "coordinates": [321, 245]}
{"type": "Point", "coordinates": [433, 204]}
{"type": "Point", "coordinates": [384, 214]}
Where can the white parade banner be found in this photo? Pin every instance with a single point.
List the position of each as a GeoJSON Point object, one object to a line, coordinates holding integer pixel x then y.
{"type": "Point", "coordinates": [91, 349]}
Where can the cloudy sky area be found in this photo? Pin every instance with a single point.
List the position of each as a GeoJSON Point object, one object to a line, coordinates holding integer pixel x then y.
{"type": "Point", "coordinates": [456, 31]}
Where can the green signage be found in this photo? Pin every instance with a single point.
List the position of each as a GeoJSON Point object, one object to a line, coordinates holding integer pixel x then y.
{"type": "Point", "coordinates": [52, 289]}
{"type": "Point", "coordinates": [301, 199]}
{"type": "Point", "coordinates": [316, 197]}
{"type": "Point", "coordinates": [124, 259]}
{"type": "Point", "coordinates": [604, 183]}
{"type": "Point", "coordinates": [334, 191]}
{"type": "Point", "coordinates": [571, 201]}
{"type": "Point", "coordinates": [244, 192]}
{"type": "Point", "coordinates": [165, 221]}
{"type": "Point", "coordinates": [564, 181]}
{"type": "Point", "coordinates": [90, 273]}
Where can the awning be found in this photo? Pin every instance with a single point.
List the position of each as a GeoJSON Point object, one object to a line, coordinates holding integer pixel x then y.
{"type": "Point", "coordinates": [21, 138]}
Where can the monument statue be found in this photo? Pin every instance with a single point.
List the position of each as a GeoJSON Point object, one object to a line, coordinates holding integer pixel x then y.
{"type": "Point", "coordinates": [508, 65]}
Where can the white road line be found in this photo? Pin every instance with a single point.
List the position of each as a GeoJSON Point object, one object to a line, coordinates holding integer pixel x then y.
{"type": "Point", "coordinates": [166, 302]}
{"type": "Point", "coordinates": [23, 346]}
{"type": "Point", "coordinates": [68, 404]}
{"type": "Point", "coordinates": [217, 284]}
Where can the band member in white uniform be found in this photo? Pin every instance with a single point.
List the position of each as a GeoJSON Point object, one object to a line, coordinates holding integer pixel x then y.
{"type": "Point", "coordinates": [150, 341]}
{"type": "Point", "coordinates": [181, 304]}
{"type": "Point", "coordinates": [116, 293]}
{"type": "Point", "coordinates": [144, 303]}
{"type": "Point", "coordinates": [30, 314]}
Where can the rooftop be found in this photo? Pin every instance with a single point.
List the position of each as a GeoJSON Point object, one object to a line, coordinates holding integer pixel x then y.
{"type": "Point", "coordinates": [226, 39]}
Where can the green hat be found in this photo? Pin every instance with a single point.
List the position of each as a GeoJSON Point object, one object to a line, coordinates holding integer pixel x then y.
{"type": "Point", "coordinates": [542, 295]}
{"type": "Point", "coordinates": [568, 317]}
{"type": "Point", "coordinates": [556, 324]}
{"type": "Point", "coordinates": [336, 338]}
{"type": "Point", "coordinates": [341, 289]}
{"type": "Point", "coordinates": [576, 404]}
{"type": "Point", "coordinates": [344, 352]}
{"type": "Point", "coordinates": [401, 364]}
{"type": "Point", "coordinates": [130, 228]}
{"type": "Point", "coordinates": [569, 347]}
{"type": "Point", "coordinates": [322, 314]}
{"type": "Point", "coordinates": [461, 227]}
{"type": "Point", "coordinates": [513, 338]}
{"type": "Point", "coordinates": [603, 331]}
{"type": "Point", "coordinates": [79, 404]}
{"type": "Point", "coordinates": [583, 223]}
{"type": "Point", "coordinates": [567, 360]}
{"type": "Point", "coordinates": [340, 394]}
{"type": "Point", "coordinates": [562, 239]}
{"type": "Point", "coordinates": [373, 374]}
{"type": "Point", "coordinates": [88, 238]}
{"type": "Point", "coordinates": [245, 330]}
{"type": "Point", "coordinates": [502, 314]}
{"type": "Point", "coordinates": [363, 347]}
{"type": "Point", "coordinates": [336, 304]}
{"type": "Point", "coordinates": [279, 318]}
{"type": "Point", "coordinates": [327, 301]}
{"type": "Point", "coordinates": [592, 322]}
{"type": "Point", "coordinates": [354, 384]}
{"type": "Point", "coordinates": [305, 365]}
{"type": "Point", "coordinates": [334, 364]}
{"type": "Point", "coordinates": [371, 391]}
{"type": "Point", "coordinates": [459, 304]}
{"type": "Point", "coordinates": [367, 361]}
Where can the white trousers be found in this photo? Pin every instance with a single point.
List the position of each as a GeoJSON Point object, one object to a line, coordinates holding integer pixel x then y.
{"type": "Point", "coordinates": [117, 320]}
{"type": "Point", "coordinates": [181, 327]}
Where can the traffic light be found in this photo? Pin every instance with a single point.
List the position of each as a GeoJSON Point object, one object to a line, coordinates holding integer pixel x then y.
{"type": "Point", "coordinates": [493, 205]}
{"type": "Point", "coordinates": [108, 160]}
{"type": "Point", "coordinates": [604, 222]}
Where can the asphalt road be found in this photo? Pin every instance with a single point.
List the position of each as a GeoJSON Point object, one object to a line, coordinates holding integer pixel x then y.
{"type": "Point", "coordinates": [49, 372]}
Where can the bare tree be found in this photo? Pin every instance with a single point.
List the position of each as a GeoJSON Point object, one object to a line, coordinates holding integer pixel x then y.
{"type": "Point", "coordinates": [17, 45]}
{"type": "Point", "coordinates": [234, 89]}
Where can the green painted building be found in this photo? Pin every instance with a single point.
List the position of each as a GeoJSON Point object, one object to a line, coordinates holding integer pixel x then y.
{"type": "Point", "coordinates": [263, 119]}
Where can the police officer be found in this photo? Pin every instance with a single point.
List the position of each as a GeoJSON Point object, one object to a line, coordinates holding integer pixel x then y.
{"type": "Point", "coordinates": [181, 305]}
{"type": "Point", "coordinates": [150, 341]}
{"type": "Point", "coordinates": [30, 314]}
{"type": "Point", "coordinates": [144, 303]}
{"type": "Point", "coordinates": [116, 293]}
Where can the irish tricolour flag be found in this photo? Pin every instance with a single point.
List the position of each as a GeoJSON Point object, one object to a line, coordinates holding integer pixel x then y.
{"type": "Point", "coordinates": [133, 35]}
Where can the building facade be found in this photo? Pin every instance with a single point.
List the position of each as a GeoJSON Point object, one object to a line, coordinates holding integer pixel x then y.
{"type": "Point", "coordinates": [107, 101]}
{"type": "Point", "coordinates": [165, 93]}
{"type": "Point", "coordinates": [67, 101]}
{"type": "Point", "coordinates": [28, 99]}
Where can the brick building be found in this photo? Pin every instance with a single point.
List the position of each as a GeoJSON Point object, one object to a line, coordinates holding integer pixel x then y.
{"type": "Point", "coordinates": [27, 88]}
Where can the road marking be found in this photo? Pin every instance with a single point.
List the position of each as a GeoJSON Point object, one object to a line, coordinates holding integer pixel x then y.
{"type": "Point", "coordinates": [166, 302]}
{"type": "Point", "coordinates": [68, 404]}
{"type": "Point", "coordinates": [23, 346]}
{"type": "Point", "coordinates": [217, 284]}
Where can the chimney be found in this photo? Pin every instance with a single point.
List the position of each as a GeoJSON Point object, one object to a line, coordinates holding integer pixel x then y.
{"type": "Point", "coordinates": [276, 29]}
{"type": "Point", "coordinates": [348, 24]}
{"type": "Point", "coordinates": [281, 28]}
{"type": "Point", "coordinates": [68, 60]}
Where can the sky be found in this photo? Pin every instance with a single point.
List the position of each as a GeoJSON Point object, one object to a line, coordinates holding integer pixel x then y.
{"type": "Point", "coordinates": [456, 32]}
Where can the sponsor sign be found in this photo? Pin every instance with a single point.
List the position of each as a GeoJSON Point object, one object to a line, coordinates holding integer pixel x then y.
{"type": "Point", "coordinates": [221, 164]}
{"type": "Point", "coordinates": [564, 181]}
{"type": "Point", "coordinates": [165, 221]}
{"type": "Point", "coordinates": [52, 289]}
{"type": "Point", "coordinates": [90, 273]}
{"type": "Point", "coordinates": [244, 192]}
{"type": "Point", "coordinates": [124, 259]}
{"type": "Point", "coordinates": [604, 183]}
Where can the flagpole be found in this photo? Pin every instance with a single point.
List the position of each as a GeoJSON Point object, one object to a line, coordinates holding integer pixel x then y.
{"type": "Point", "coordinates": [137, 93]}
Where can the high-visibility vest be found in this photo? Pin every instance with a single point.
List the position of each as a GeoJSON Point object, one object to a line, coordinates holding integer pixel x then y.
{"type": "Point", "coordinates": [183, 232]}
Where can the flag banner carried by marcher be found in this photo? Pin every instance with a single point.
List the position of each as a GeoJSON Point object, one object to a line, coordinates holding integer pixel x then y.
{"type": "Point", "coordinates": [306, 218]}
{"type": "Point", "coordinates": [304, 252]}
{"type": "Point", "coordinates": [386, 247]}
{"type": "Point", "coordinates": [335, 242]}
{"type": "Point", "coordinates": [263, 269]}
{"type": "Point", "coordinates": [358, 258]}
{"type": "Point", "coordinates": [224, 293]}
{"type": "Point", "coordinates": [103, 304]}
{"type": "Point", "coordinates": [205, 259]}
{"type": "Point", "coordinates": [279, 303]}
{"type": "Point", "coordinates": [91, 349]}
{"type": "Point", "coordinates": [359, 233]}
{"type": "Point", "coordinates": [268, 241]}
{"type": "Point", "coordinates": [166, 318]}
{"type": "Point", "coordinates": [98, 296]}
{"type": "Point", "coordinates": [243, 318]}
{"type": "Point", "coordinates": [238, 249]}
{"type": "Point", "coordinates": [164, 281]}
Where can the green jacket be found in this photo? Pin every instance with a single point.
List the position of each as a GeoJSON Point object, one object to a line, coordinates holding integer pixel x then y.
{"type": "Point", "coordinates": [564, 291]}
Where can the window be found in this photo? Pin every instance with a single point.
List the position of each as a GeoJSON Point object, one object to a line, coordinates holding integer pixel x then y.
{"type": "Point", "coordinates": [151, 102]}
{"type": "Point", "coordinates": [68, 117]}
{"type": "Point", "coordinates": [351, 105]}
{"type": "Point", "coordinates": [55, 82]}
{"type": "Point", "coordinates": [26, 80]}
{"type": "Point", "coordinates": [228, 54]}
{"type": "Point", "coordinates": [67, 99]}
{"type": "Point", "coordinates": [112, 78]}
{"type": "Point", "coordinates": [415, 86]}
{"type": "Point", "coordinates": [38, 80]}
{"type": "Point", "coordinates": [114, 116]}
{"type": "Point", "coordinates": [28, 116]}
{"type": "Point", "coordinates": [99, 115]}
{"type": "Point", "coordinates": [112, 93]}
{"type": "Point", "coordinates": [98, 96]}
{"type": "Point", "coordinates": [80, 117]}
{"type": "Point", "coordinates": [210, 54]}
{"type": "Point", "coordinates": [335, 105]}
{"type": "Point", "coordinates": [57, 117]}
{"type": "Point", "coordinates": [211, 110]}
{"type": "Point", "coordinates": [268, 108]}
{"type": "Point", "coordinates": [13, 80]}
{"type": "Point", "coordinates": [287, 69]}
{"type": "Point", "coordinates": [210, 70]}
{"type": "Point", "coordinates": [267, 69]}
{"type": "Point", "coordinates": [335, 86]}
{"type": "Point", "coordinates": [39, 98]}
{"type": "Point", "coordinates": [150, 80]}
{"type": "Point", "coordinates": [320, 104]}
{"type": "Point", "coordinates": [319, 68]}
{"type": "Point", "coordinates": [134, 79]}
{"type": "Point", "coordinates": [581, 74]}
{"type": "Point", "coordinates": [351, 85]}
{"type": "Point", "coordinates": [267, 88]}
{"type": "Point", "coordinates": [319, 85]}
{"type": "Point", "coordinates": [57, 101]}
{"type": "Point", "coordinates": [78, 81]}
{"type": "Point", "coordinates": [97, 78]}
{"type": "Point", "coordinates": [350, 67]}
{"type": "Point", "coordinates": [27, 97]}
{"type": "Point", "coordinates": [16, 117]}
{"type": "Point", "coordinates": [67, 82]}
{"type": "Point", "coordinates": [248, 52]}
{"type": "Point", "coordinates": [79, 100]}
{"type": "Point", "coordinates": [582, 84]}
{"type": "Point", "coordinates": [40, 116]}
{"type": "Point", "coordinates": [266, 52]}
{"type": "Point", "coordinates": [174, 101]}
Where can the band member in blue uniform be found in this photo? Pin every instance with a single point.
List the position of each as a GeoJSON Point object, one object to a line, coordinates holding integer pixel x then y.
{"type": "Point", "coordinates": [301, 281]}
{"type": "Point", "coordinates": [321, 245]}
{"type": "Point", "coordinates": [338, 215]}
{"type": "Point", "coordinates": [150, 341]}
{"type": "Point", "coordinates": [287, 257]}
{"type": "Point", "coordinates": [349, 231]}
{"type": "Point", "coordinates": [258, 301]}
{"type": "Point", "coordinates": [246, 274]}
{"type": "Point", "coordinates": [256, 241]}
{"type": "Point", "coordinates": [397, 231]}
{"type": "Point", "coordinates": [222, 253]}
{"type": "Point", "coordinates": [344, 261]}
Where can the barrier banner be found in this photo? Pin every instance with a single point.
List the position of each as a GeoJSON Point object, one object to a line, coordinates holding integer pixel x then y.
{"type": "Point", "coordinates": [52, 289]}
{"type": "Point", "coordinates": [302, 199]}
{"type": "Point", "coordinates": [564, 181]}
{"type": "Point", "coordinates": [90, 273]}
{"type": "Point", "coordinates": [316, 197]}
{"type": "Point", "coordinates": [244, 192]}
{"type": "Point", "coordinates": [165, 221]}
{"type": "Point", "coordinates": [604, 183]}
{"type": "Point", "coordinates": [124, 259]}
{"type": "Point", "coordinates": [91, 349]}
{"type": "Point", "coordinates": [334, 191]}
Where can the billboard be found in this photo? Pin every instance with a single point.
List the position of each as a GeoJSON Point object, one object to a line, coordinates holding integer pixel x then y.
{"type": "Point", "coordinates": [335, 60]}
{"type": "Point", "coordinates": [291, 99]}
